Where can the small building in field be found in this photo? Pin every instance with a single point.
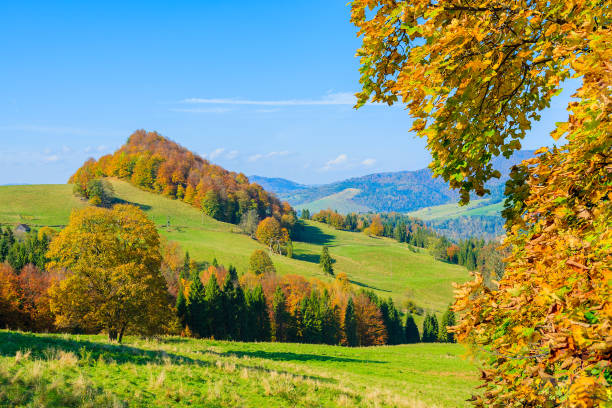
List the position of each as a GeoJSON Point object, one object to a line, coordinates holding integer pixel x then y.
{"type": "Point", "coordinates": [23, 228]}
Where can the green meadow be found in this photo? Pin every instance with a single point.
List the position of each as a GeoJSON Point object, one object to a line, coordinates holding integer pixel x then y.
{"type": "Point", "coordinates": [383, 265]}
{"type": "Point", "coordinates": [46, 370]}
{"type": "Point", "coordinates": [444, 211]}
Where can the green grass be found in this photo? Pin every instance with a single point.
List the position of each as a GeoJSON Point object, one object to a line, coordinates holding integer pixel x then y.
{"type": "Point", "coordinates": [383, 265]}
{"type": "Point", "coordinates": [39, 370]}
{"type": "Point", "coordinates": [341, 202]}
{"type": "Point", "coordinates": [445, 211]}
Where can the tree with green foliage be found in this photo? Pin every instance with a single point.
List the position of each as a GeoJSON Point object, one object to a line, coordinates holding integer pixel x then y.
{"type": "Point", "coordinates": [280, 316]}
{"type": "Point", "coordinates": [350, 324]}
{"type": "Point", "coordinates": [392, 322]}
{"type": "Point", "coordinates": [185, 271]}
{"type": "Point", "coordinates": [211, 205]}
{"type": "Point", "coordinates": [214, 305]}
{"type": "Point", "coordinates": [448, 320]}
{"type": "Point", "coordinates": [249, 222]}
{"type": "Point", "coordinates": [197, 309]}
{"type": "Point", "coordinates": [430, 329]}
{"type": "Point", "coordinates": [399, 232]}
{"type": "Point", "coordinates": [311, 319]}
{"type": "Point", "coordinates": [305, 214]}
{"type": "Point", "coordinates": [100, 192]}
{"type": "Point", "coordinates": [181, 307]}
{"type": "Point", "coordinates": [326, 261]}
{"type": "Point", "coordinates": [411, 330]}
{"type": "Point", "coordinates": [260, 263]}
{"type": "Point", "coordinates": [259, 320]}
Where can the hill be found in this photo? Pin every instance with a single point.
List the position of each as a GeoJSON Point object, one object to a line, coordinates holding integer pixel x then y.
{"type": "Point", "coordinates": [383, 265]}
{"type": "Point", "coordinates": [402, 191]}
{"type": "Point", "coordinates": [76, 370]}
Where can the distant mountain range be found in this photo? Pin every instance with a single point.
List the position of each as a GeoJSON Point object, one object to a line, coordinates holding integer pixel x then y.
{"type": "Point", "coordinates": [402, 191]}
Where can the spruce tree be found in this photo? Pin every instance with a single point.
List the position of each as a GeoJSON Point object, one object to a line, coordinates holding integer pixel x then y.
{"type": "Point", "coordinates": [312, 319]}
{"type": "Point", "coordinates": [330, 325]}
{"type": "Point", "coordinates": [259, 321]}
{"type": "Point", "coordinates": [214, 302]}
{"type": "Point", "coordinates": [412, 331]}
{"type": "Point", "coordinates": [196, 308]}
{"type": "Point", "coordinates": [228, 313]}
{"type": "Point", "coordinates": [279, 316]}
{"type": "Point", "coordinates": [350, 324]}
{"type": "Point", "coordinates": [448, 319]}
{"type": "Point", "coordinates": [184, 274]}
{"type": "Point", "coordinates": [181, 307]}
{"type": "Point", "coordinates": [430, 329]}
{"type": "Point", "coordinates": [326, 262]}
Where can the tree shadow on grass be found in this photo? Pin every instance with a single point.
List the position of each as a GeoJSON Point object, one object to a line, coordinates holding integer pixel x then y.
{"type": "Point", "coordinates": [117, 200]}
{"type": "Point", "coordinates": [364, 285]}
{"type": "Point", "coordinates": [313, 235]}
{"type": "Point", "coordinates": [297, 357]}
{"type": "Point", "coordinates": [306, 257]}
{"type": "Point", "coordinates": [41, 346]}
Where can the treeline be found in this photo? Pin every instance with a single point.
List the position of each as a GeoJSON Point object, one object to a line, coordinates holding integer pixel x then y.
{"type": "Point", "coordinates": [154, 163]}
{"type": "Point", "coordinates": [21, 252]}
{"type": "Point", "coordinates": [488, 227]}
{"type": "Point", "coordinates": [133, 281]}
{"type": "Point", "coordinates": [391, 225]}
{"type": "Point", "coordinates": [217, 303]}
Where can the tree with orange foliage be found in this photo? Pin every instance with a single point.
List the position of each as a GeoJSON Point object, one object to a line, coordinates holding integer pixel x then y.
{"type": "Point", "coordinates": [376, 227]}
{"type": "Point", "coordinates": [115, 282]}
{"type": "Point", "coordinates": [474, 76]}
{"type": "Point", "coordinates": [370, 327]}
{"type": "Point", "coordinates": [10, 313]}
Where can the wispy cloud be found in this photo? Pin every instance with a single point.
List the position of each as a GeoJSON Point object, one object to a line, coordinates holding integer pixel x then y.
{"type": "Point", "coordinates": [342, 158]}
{"type": "Point", "coordinates": [216, 153]}
{"type": "Point", "coordinates": [231, 155]}
{"type": "Point", "coordinates": [368, 162]}
{"type": "Point", "coordinates": [202, 110]}
{"type": "Point", "coordinates": [340, 98]}
{"type": "Point", "coordinates": [256, 157]}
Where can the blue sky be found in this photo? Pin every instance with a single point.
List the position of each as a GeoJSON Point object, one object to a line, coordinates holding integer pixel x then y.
{"type": "Point", "coordinates": [259, 87]}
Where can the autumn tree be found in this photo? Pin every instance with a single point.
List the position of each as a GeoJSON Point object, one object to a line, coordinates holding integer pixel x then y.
{"type": "Point", "coordinates": [326, 262]}
{"type": "Point", "coordinates": [10, 314]}
{"type": "Point", "coordinates": [115, 282]}
{"type": "Point", "coordinates": [474, 77]}
{"type": "Point", "coordinates": [270, 233]}
{"type": "Point", "coordinates": [260, 263]}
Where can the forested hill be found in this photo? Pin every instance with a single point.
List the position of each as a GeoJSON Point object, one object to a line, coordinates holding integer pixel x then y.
{"type": "Point", "coordinates": [157, 164]}
{"type": "Point", "coordinates": [401, 191]}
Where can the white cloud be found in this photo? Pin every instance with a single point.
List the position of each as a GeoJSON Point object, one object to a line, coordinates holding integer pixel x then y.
{"type": "Point", "coordinates": [201, 110]}
{"type": "Point", "coordinates": [51, 158]}
{"type": "Point", "coordinates": [342, 158]}
{"type": "Point", "coordinates": [340, 98]}
{"type": "Point", "coordinates": [216, 153]}
{"type": "Point", "coordinates": [368, 162]}
{"type": "Point", "coordinates": [101, 148]}
{"type": "Point", "coordinates": [256, 157]}
{"type": "Point", "coordinates": [231, 155]}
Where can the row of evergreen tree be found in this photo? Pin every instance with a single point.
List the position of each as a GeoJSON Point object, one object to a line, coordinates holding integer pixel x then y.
{"type": "Point", "coordinates": [20, 252]}
{"type": "Point", "coordinates": [230, 312]}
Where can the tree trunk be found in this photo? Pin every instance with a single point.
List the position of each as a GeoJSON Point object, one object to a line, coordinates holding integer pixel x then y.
{"type": "Point", "coordinates": [121, 332]}
{"type": "Point", "coordinates": [112, 334]}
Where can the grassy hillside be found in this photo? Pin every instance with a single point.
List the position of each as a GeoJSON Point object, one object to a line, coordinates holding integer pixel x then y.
{"type": "Point", "coordinates": [380, 264]}
{"type": "Point", "coordinates": [341, 202]}
{"type": "Point", "coordinates": [69, 370]}
{"type": "Point", "coordinates": [454, 210]}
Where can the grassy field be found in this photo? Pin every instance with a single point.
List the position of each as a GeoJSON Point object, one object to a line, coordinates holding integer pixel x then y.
{"type": "Point", "coordinates": [39, 370]}
{"type": "Point", "coordinates": [341, 202]}
{"type": "Point", "coordinates": [383, 265]}
{"type": "Point", "coordinates": [453, 210]}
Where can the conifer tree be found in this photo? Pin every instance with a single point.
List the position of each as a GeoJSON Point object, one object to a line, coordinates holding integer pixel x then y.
{"type": "Point", "coordinates": [326, 261]}
{"type": "Point", "coordinates": [312, 321]}
{"type": "Point", "coordinates": [350, 324]}
{"type": "Point", "coordinates": [214, 303]}
{"type": "Point", "coordinates": [279, 316]}
{"type": "Point", "coordinates": [227, 311]}
{"type": "Point", "coordinates": [185, 272]}
{"type": "Point", "coordinates": [430, 329]}
{"type": "Point", "coordinates": [412, 331]}
{"type": "Point", "coordinates": [448, 319]}
{"type": "Point", "coordinates": [181, 307]}
{"type": "Point", "coordinates": [330, 325]}
{"type": "Point", "coordinates": [196, 308]}
{"type": "Point", "coordinates": [259, 321]}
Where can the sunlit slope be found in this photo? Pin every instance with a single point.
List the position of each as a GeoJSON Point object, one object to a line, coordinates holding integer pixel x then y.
{"type": "Point", "coordinates": [341, 202]}
{"type": "Point", "coordinates": [383, 265]}
{"type": "Point", "coordinates": [453, 210]}
{"type": "Point", "coordinates": [72, 370]}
